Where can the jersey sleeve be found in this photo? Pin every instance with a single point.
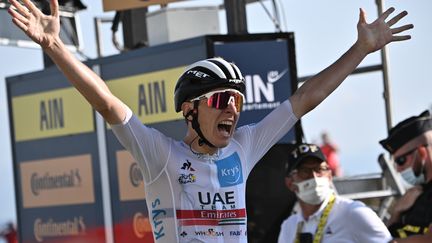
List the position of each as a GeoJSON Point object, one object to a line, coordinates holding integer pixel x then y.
{"type": "Point", "coordinates": [365, 225]}
{"type": "Point", "coordinates": [258, 138]}
{"type": "Point", "coordinates": [147, 145]}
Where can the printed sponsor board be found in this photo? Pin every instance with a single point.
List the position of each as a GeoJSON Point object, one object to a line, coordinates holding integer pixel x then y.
{"type": "Point", "coordinates": [51, 114]}
{"type": "Point", "coordinates": [57, 181]}
{"type": "Point", "coordinates": [149, 95]}
{"type": "Point", "coordinates": [46, 229]}
{"type": "Point", "coordinates": [131, 221]}
{"type": "Point", "coordinates": [131, 184]}
{"type": "Point", "coordinates": [268, 73]}
{"type": "Point", "coordinates": [109, 5]}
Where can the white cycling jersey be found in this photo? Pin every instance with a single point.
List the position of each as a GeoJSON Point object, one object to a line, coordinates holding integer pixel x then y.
{"type": "Point", "coordinates": [200, 198]}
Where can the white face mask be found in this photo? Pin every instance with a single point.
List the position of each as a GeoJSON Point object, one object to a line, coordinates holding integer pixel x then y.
{"type": "Point", "coordinates": [314, 190]}
{"type": "Point", "coordinates": [409, 176]}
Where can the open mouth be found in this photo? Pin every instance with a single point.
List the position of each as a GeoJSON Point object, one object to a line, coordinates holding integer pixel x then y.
{"type": "Point", "coordinates": [225, 127]}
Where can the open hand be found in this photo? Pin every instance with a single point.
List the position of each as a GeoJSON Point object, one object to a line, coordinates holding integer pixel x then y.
{"type": "Point", "coordinates": [42, 29]}
{"type": "Point", "coordinates": [374, 36]}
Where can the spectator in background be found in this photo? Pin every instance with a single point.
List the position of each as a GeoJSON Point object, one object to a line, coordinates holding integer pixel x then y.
{"type": "Point", "coordinates": [9, 233]}
{"type": "Point", "coordinates": [330, 150]}
{"type": "Point", "coordinates": [410, 143]}
{"type": "Point", "coordinates": [324, 216]}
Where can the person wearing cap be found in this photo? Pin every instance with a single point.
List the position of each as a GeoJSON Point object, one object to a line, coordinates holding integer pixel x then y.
{"type": "Point", "coordinates": [196, 187]}
{"type": "Point", "coordinates": [324, 216]}
{"type": "Point", "coordinates": [410, 144]}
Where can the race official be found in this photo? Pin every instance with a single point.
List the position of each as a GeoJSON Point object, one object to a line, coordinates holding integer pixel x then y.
{"type": "Point", "coordinates": [410, 143]}
{"type": "Point", "coordinates": [324, 216]}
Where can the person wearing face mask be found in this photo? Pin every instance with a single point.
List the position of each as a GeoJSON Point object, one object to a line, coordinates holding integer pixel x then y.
{"type": "Point", "coordinates": [410, 144]}
{"type": "Point", "coordinates": [324, 216]}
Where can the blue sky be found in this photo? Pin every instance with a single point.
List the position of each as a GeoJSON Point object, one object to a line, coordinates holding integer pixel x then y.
{"type": "Point", "coordinates": [353, 115]}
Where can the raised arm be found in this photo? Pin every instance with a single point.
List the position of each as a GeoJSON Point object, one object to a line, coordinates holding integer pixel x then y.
{"type": "Point", "coordinates": [44, 30]}
{"type": "Point", "coordinates": [371, 37]}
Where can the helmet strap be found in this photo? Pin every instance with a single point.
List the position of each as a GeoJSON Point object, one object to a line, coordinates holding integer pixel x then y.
{"type": "Point", "coordinates": [196, 126]}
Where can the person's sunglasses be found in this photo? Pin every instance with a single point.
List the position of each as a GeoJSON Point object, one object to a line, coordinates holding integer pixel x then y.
{"type": "Point", "coordinates": [220, 99]}
{"type": "Point", "coordinates": [401, 159]}
{"type": "Point", "coordinates": [304, 172]}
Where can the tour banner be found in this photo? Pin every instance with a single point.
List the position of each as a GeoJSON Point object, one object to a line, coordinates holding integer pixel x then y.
{"type": "Point", "coordinates": [56, 160]}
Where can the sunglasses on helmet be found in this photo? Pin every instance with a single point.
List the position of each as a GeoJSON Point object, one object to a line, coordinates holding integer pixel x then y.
{"type": "Point", "coordinates": [220, 99]}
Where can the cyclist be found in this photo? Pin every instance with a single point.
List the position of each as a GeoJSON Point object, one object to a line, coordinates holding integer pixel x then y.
{"type": "Point", "coordinates": [195, 188]}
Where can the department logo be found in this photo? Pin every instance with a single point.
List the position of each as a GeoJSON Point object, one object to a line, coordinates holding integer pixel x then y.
{"type": "Point", "coordinates": [261, 90]}
{"type": "Point", "coordinates": [274, 76]}
{"type": "Point", "coordinates": [186, 178]}
{"type": "Point", "coordinates": [229, 171]}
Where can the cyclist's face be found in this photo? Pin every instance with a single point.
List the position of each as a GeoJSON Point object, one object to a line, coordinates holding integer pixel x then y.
{"type": "Point", "coordinates": [217, 125]}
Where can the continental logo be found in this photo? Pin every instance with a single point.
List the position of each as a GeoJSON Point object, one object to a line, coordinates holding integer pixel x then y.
{"type": "Point", "coordinates": [47, 229]}
{"type": "Point", "coordinates": [131, 183]}
{"type": "Point", "coordinates": [51, 114]}
{"type": "Point", "coordinates": [57, 181]}
{"type": "Point", "coordinates": [135, 175]}
{"type": "Point", "coordinates": [141, 225]}
{"type": "Point", "coordinates": [149, 95]}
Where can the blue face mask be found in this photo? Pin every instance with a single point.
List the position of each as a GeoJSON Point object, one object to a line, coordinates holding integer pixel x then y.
{"type": "Point", "coordinates": [409, 176]}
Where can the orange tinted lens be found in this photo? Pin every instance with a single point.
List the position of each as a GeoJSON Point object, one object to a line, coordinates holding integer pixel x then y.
{"type": "Point", "coordinates": [238, 99]}
{"type": "Point", "coordinates": [222, 99]}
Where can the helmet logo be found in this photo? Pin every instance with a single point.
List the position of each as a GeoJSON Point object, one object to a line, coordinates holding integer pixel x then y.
{"type": "Point", "coordinates": [237, 81]}
{"type": "Point", "coordinates": [198, 74]}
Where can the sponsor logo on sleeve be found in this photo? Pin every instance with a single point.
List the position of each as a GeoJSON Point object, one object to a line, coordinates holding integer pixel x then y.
{"type": "Point", "coordinates": [158, 216]}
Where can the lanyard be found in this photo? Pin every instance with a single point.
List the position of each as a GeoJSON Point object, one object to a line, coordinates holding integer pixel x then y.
{"type": "Point", "coordinates": [321, 224]}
